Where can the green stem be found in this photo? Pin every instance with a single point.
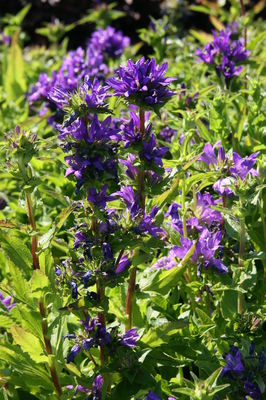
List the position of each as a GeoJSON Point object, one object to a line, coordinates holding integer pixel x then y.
{"type": "Point", "coordinates": [184, 208]}
{"type": "Point", "coordinates": [34, 241]}
{"type": "Point", "coordinates": [141, 193]}
{"type": "Point", "coordinates": [101, 318]}
{"type": "Point", "coordinates": [240, 301]}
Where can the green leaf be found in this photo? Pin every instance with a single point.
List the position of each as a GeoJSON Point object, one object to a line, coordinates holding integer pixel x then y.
{"type": "Point", "coordinates": [47, 238]}
{"type": "Point", "coordinates": [38, 282]}
{"type": "Point", "coordinates": [29, 343]}
{"type": "Point", "coordinates": [159, 335]}
{"type": "Point", "coordinates": [17, 251]}
{"type": "Point", "coordinates": [14, 81]}
{"type": "Point", "coordinates": [167, 196]}
{"type": "Point", "coordinates": [163, 280]}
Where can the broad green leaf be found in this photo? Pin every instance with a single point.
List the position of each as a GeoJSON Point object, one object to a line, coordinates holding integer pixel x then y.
{"type": "Point", "coordinates": [163, 280]}
{"type": "Point", "coordinates": [17, 251]}
{"type": "Point", "coordinates": [38, 282]}
{"type": "Point", "coordinates": [14, 81]}
{"type": "Point", "coordinates": [29, 343]}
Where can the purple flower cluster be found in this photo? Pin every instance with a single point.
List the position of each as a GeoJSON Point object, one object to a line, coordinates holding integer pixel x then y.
{"type": "Point", "coordinates": [142, 83]}
{"type": "Point", "coordinates": [208, 241]}
{"type": "Point", "coordinates": [167, 134]}
{"type": "Point", "coordinates": [242, 370]}
{"type": "Point", "coordinates": [224, 53]}
{"type": "Point", "coordinates": [78, 63]}
{"type": "Point", "coordinates": [238, 167]}
{"type": "Point", "coordinates": [109, 42]}
{"type": "Point", "coordinates": [97, 335]}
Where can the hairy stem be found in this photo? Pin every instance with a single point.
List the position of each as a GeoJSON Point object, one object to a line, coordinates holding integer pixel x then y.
{"type": "Point", "coordinates": [101, 318]}
{"type": "Point", "coordinates": [34, 241]}
{"type": "Point", "coordinates": [141, 189]}
{"type": "Point", "coordinates": [36, 265]}
{"type": "Point", "coordinates": [184, 222]}
{"type": "Point", "coordinates": [240, 301]}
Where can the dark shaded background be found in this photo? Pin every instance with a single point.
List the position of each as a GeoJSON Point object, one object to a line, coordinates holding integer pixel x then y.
{"type": "Point", "coordinates": [137, 16]}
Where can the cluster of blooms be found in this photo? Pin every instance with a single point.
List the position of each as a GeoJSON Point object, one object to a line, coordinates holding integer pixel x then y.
{"type": "Point", "coordinates": [225, 53]}
{"type": "Point", "coordinates": [237, 167]}
{"type": "Point", "coordinates": [142, 83]}
{"type": "Point", "coordinates": [242, 370]}
{"type": "Point", "coordinates": [207, 227]}
{"type": "Point", "coordinates": [7, 301]}
{"type": "Point", "coordinates": [97, 335]}
{"type": "Point", "coordinates": [103, 44]}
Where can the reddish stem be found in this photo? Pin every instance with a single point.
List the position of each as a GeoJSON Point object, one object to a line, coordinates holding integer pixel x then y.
{"type": "Point", "coordinates": [36, 265]}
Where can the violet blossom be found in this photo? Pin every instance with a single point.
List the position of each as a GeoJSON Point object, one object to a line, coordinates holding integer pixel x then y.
{"type": "Point", "coordinates": [142, 82]}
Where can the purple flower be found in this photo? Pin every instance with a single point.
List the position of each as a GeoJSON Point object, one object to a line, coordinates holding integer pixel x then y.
{"type": "Point", "coordinates": [168, 133]}
{"type": "Point", "coordinates": [131, 133]}
{"type": "Point", "coordinates": [234, 363]}
{"type": "Point", "coordinates": [152, 153]}
{"type": "Point", "coordinates": [74, 288]}
{"type": "Point", "coordinates": [73, 353]}
{"type": "Point", "coordinates": [97, 387]}
{"type": "Point", "coordinates": [252, 390]}
{"type": "Point", "coordinates": [142, 83]}
{"type": "Point", "coordinates": [224, 53]}
{"type": "Point", "coordinates": [130, 198]}
{"type": "Point", "coordinates": [129, 338]}
{"type": "Point", "coordinates": [5, 38]}
{"type": "Point", "coordinates": [152, 396]}
{"type": "Point", "coordinates": [95, 95]}
{"type": "Point", "coordinates": [7, 301]}
{"type": "Point", "coordinates": [109, 42]}
{"type": "Point", "coordinates": [223, 186]}
{"type": "Point", "coordinates": [99, 198]}
{"type": "Point", "coordinates": [59, 96]}
{"type": "Point", "coordinates": [165, 262]}
{"type": "Point", "coordinates": [208, 215]}
{"type": "Point", "coordinates": [123, 264]}
{"type": "Point", "coordinates": [147, 225]}
{"type": "Point", "coordinates": [87, 344]}
{"type": "Point", "coordinates": [131, 171]}
{"type": "Point", "coordinates": [77, 130]}
{"type": "Point", "coordinates": [208, 155]}
{"type": "Point", "coordinates": [107, 251]}
{"type": "Point", "coordinates": [41, 89]}
{"type": "Point", "coordinates": [102, 131]}
{"type": "Point", "coordinates": [243, 166]}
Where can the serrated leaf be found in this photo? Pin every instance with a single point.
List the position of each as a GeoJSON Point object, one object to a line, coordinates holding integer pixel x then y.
{"type": "Point", "coordinates": [17, 251]}
{"type": "Point", "coordinates": [29, 343]}
{"type": "Point", "coordinates": [38, 282]}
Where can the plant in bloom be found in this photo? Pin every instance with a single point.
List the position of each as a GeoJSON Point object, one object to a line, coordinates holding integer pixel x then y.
{"type": "Point", "coordinates": [142, 83]}
{"type": "Point", "coordinates": [224, 53]}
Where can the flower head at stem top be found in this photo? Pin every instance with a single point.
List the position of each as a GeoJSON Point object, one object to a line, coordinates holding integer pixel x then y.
{"type": "Point", "coordinates": [142, 83]}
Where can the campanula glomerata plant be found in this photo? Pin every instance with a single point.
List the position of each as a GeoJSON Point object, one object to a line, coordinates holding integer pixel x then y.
{"type": "Point", "coordinates": [132, 212]}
